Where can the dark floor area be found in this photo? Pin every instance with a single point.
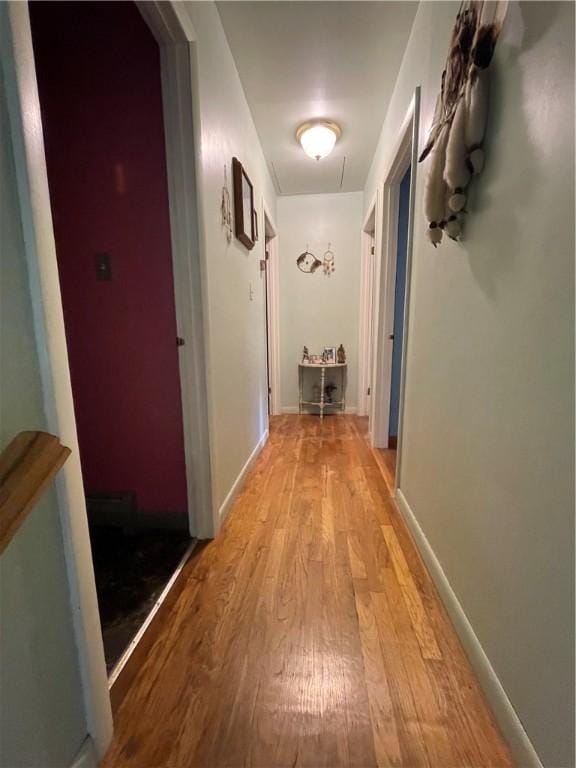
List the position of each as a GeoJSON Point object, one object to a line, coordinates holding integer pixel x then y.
{"type": "Point", "coordinates": [131, 572]}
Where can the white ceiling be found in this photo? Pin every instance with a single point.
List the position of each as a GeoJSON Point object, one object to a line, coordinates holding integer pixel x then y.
{"type": "Point", "coordinates": [305, 59]}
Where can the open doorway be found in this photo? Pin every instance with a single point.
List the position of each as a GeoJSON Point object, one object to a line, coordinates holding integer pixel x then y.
{"type": "Point", "coordinates": [399, 267]}
{"type": "Point", "coordinates": [99, 80]}
{"type": "Point", "coordinates": [269, 270]}
{"type": "Point", "coordinates": [391, 281]}
{"type": "Point", "coordinates": [366, 325]}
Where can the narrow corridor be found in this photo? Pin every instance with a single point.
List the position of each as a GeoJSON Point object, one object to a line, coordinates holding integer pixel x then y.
{"type": "Point", "coordinates": [308, 633]}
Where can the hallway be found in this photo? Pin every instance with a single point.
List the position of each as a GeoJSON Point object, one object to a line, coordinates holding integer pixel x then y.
{"type": "Point", "coordinates": [308, 633]}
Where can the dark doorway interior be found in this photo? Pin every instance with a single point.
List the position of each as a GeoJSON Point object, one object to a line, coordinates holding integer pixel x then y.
{"type": "Point", "coordinates": [399, 301]}
{"type": "Point", "coordinates": [99, 79]}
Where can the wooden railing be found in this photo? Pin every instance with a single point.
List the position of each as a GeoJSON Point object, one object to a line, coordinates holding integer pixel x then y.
{"type": "Point", "coordinates": [27, 467]}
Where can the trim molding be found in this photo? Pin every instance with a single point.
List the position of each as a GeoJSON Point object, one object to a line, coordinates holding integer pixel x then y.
{"type": "Point", "coordinates": [502, 707]}
{"type": "Point", "coordinates": [128, 665]}
{"type": "Point", "coordinates": [17, 61]}
{"type": "Point", "coordinates": [233, 492]}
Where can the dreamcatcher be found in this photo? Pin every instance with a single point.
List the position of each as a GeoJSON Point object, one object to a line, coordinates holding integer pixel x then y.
{"type": "Point", "coordinates": [307, 262]}
{"type": "Point", "coordinates": [328, 261]}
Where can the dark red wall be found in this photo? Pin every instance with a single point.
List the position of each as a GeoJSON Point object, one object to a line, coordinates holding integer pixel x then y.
{"type": "Point", "coordinates": [99, 78]}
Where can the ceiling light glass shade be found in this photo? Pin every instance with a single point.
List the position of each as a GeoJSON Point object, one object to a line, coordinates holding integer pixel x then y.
{"type": "Point", "coordinates": [318, 139]}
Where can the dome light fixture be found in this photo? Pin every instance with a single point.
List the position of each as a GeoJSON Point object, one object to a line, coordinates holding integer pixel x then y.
{"type": "Point", "coordinates": [318, 137]}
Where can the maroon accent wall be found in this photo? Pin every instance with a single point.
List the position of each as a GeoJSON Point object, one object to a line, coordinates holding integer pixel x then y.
{"type": "Point", "coordinates": [98, 71]}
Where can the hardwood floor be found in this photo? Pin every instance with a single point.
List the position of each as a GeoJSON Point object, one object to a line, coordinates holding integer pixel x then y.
{"type": "Point", "coordinates": [309, 633]}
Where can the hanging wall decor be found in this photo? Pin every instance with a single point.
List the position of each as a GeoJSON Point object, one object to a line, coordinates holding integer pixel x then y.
{"type": "Point", "coordinates": [243, 205]}
{"type": "Point", "coordinates": [307, 262]}
{"type": "Point", "coordinates": [455, 140]}
{"type": "Point", "coordinates": [226, 210]}
{"type": "Point", "coordinates": [328, 261]}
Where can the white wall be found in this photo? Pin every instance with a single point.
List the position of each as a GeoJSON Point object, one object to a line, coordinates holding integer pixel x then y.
{"type": "Point", "coordinates": [235, 324]}
{"type": "Point", "coordinates": [488, 451]}
{"type": "Point", "coordinates": [42, 721]}
{"type": "Point", "coordinates": [317, 310]}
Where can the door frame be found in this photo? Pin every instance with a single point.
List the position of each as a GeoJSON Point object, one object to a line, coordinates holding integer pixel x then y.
{"type": "Point", "coordinates": [404, 155]}
{"type": "Point", "coordinates": [273, 309]}
{"type": "Point", "coordinates": [370, 236]}
{"type": "Point", "coordinates": [175, 34]}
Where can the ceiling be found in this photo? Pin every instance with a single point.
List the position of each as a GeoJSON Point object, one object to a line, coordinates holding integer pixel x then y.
{"type": "Point", "coordinates": [305, 59]}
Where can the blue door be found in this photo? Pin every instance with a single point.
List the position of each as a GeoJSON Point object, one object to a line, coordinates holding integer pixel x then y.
{"type": "Point", "coordinates": [399, 299]}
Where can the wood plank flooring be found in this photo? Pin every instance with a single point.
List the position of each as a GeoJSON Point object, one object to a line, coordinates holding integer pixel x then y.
{"type": "Point", "coordinates": [308, 633]}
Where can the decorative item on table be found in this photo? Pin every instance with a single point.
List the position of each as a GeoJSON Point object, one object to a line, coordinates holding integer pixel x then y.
{"type": "Point", "coordinates": [455, 140]}
{"type": "Point", "coordinates": [226, 209]}
{"type": "Point", "coordinates": [341, 355]}
{"type": "Point", "coordinates": [244, 218]}
{"type": "Point", "coordinates": [329, 355]}
{"type": "Point", "coordinates": [307, 262]}
{"type": "Point", "coordinates": [305, 355]}
{"type": "Point", "coordinates": [315, 359]}
{"type": "Point", "coordinates": [328, 261]}
{"type": "Point", "coordinates": [329, 390]}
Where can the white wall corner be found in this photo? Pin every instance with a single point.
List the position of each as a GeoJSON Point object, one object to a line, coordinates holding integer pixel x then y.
{"type": "Point", "coordinates": [502, 708]}
{"type": "Point", "coordinates": [86, 755]}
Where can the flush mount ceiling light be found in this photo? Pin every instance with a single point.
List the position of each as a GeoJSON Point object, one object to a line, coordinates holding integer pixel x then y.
{"type": "Point", "coordinates": [318, 138]}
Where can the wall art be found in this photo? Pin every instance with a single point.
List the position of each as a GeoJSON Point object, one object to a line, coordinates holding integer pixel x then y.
{"type": "Point", "coordinates": [457, 132]}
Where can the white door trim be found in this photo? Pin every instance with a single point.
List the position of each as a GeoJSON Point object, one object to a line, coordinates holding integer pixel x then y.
{"type": "Point", "coordinates": [175, 34]}
{"type": "Point", "coordinates": [403, 155]}
{"type": "Point", "coordinates": [367, 261]}
{"type": "Point", "coordinates": [273, 287]}
{"type": "Point", "coordinates": [415, 127]}
{"type": "Point", "coordinates": [172, 28]}
{"type": "Point", "coordinates": [32, 178]}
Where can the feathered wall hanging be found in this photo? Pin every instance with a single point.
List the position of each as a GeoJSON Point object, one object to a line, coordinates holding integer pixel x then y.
{"type": "Point", "coordinates": [457, 132]}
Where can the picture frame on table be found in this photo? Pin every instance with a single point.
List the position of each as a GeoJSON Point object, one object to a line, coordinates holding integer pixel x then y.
{"type": "Point", "coordinates": [329, 355]}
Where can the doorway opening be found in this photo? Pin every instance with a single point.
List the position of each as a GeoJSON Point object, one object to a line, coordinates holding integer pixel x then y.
{"type": "Point", "coordinates": [366, 325]}
{"type": "Point", "coordinates": [269, 271]}
{"type": "Point", "coordinates": [399, 267]}
{"type": "Point", "coordinates": [392, 296]}
{"type": "Point", "coordinates": [103, 127]}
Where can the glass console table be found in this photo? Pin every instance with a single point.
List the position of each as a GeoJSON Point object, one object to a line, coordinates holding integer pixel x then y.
{"type": "Point", "coordinates": [322, 403]}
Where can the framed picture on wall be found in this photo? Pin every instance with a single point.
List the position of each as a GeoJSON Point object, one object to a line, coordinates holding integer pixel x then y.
{"type": "Point", "coordinates": [244, 214]}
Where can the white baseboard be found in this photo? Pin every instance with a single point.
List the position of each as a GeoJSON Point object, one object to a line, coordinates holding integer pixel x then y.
{"type": "Point", "coordinates": [86, 755]}
{"type": "Point", "coordinates": [233, 492]}
{"type": "Point", "coordinates": [287, 409]}
{"type": "Point", "coordinates": [504, 712]}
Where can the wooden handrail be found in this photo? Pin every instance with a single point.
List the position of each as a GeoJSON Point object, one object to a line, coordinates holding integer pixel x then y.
{"type": "Point", "coordinates": [27, 466]}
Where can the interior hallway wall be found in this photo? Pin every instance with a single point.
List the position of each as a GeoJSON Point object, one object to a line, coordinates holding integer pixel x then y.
{"type": "Point", "coordinates": [42, 723]}
{"type": "Point", "coordinates": [316, 310]}
{"type": "Point", "coordinates": [234, 309]}
{"type": "Point", "coordinates": [105, 152]}
{"type": "Point", "coordinates": [488, 446]}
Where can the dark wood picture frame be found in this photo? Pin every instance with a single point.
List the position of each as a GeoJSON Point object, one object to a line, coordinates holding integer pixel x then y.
{"type": "Point", "coordinates": [243, 205]}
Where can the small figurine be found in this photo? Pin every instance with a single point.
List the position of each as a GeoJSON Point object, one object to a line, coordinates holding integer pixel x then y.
{"type": "Point", "coordinates": [341, 354]}
{"type": "Point", "coordinates": [305, 355]}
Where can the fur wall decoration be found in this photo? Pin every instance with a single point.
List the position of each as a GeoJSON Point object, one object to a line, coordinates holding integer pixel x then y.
{"type": "Point", "coordinates": [455, 140]}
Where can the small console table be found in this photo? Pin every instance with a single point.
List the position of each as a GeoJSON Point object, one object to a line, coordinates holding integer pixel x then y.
{"type": "Point", "coordinates": [322, 403]}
